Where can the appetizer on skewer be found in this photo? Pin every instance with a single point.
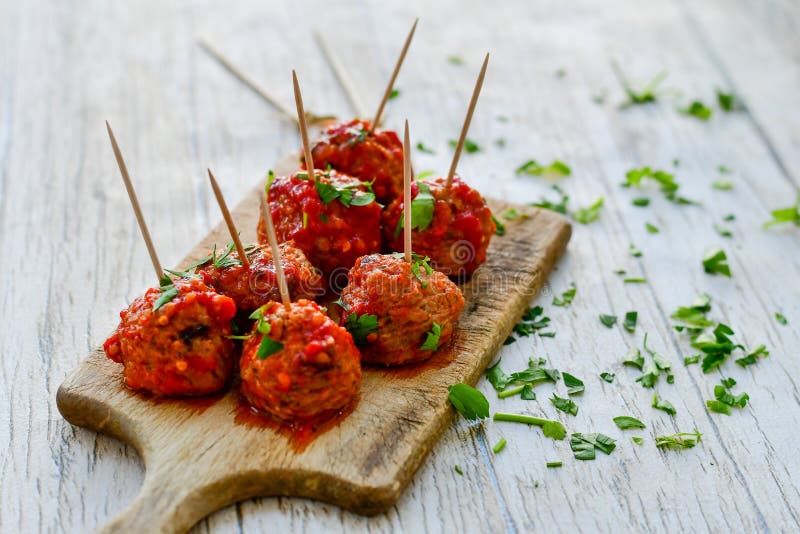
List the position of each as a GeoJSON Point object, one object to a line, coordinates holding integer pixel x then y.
{"type": "Point", "coordinates": [399, 309]}
{"type": "Point", "coordinates": [332, 217]}
{"type": "Point", "coordinates": [175, 339]}
{"type": "Point", "coordinates": [360, 149]}
{"type": "Point", "coordinates": [248, 274]}
{"type": "Point", "coordinates": [297, 363]}
{"type": "Point", "coordinates": [451, 222]}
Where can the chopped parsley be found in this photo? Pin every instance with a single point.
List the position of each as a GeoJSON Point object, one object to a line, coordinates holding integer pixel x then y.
{"type": "Point", "coordinates": [499, 446]}
{"type": "Point", "coordinates": [455, 60]}
{"type": "Point", "coordinates": [268, 346]}
{"type": "Point", "coordinates": [722, 185]}
{"type": "Point", "coordinates": [532, 322]}
{"type": "Point", "coordinates": [691, 360]}
{"type": "Point", "coordinates": [608, 377]}
{"type": "Point", "coordinates": [634, 280]}
{"type": "Point", "coordinates": [637, 440]}
{"type": "Point", "coordinates": [635, 252]}
{"type": "Point", "coordinates": [608, 320]}
{"type": "Point", "coordinates": [584, 445]}
{"type": "Point", "coordinates": [522, 381]}
{"type": "Point", "coordinates": [432, 338]}
{"type": "Point", "coordinates": [421, 210]}
{"type": "Point", "coordinates": [729, 101]}
{"type": "Point", "coordinates": [697, 109]}
{"type": "Point", "coordinates": [786, 215]}
{"type": "Point", "coordinates": [590, 213]}
{"type": "Point", "coordinates": [723, 232]}
{"type": "Point", "coordinates": [534, 168]}
{"type": "Point", "coordinates": [559, 207]}
{"type": "Point", "coordinates": [760, 352]}
{"type": "Point", "coordinates": [425, 174]}
{"type": "Point", "coordinates": [653, 369]}
{"type": "Point", "coordinates": [724, 400]}
{"type": "Point", "coordinates": [630, 321]}
{"type": "Point", "coordinates": [168, 292]}
{"type": "Point", "coordinates": [566, 297]}
{"type": "Point", "coordinates": [638, 96]}
{"type": "Point", "coordinates": [651, 228]}
{"type": "Point", "coordinates": [554, 464]}
{"type": "Point", "coordinates": [394, 93]}
{"type": "Point", "coordinates": [419, 264]}
{"type": "Point", "coordinates": [360, 327]}
{"type": "Point", "coordinates": [663, 404]}
{"type": "Point", "coordinates": [458, 470]}
{"type": "Point", "coordinates": [575, 385]}
{"type": "Point", "coordinates": [551, 429]}
{"type": "Point", "coordinates": [565, 405]}
{"type": "Point", "coordinates": [634, 358]}
{"type": "Point", "coordinates": [499, 228]}
{"type": "Point", "coordinates": [349, 195]}
{"type": "Point", "coordinates": [635, 177]}
{"type": "Point", "coordinates": [468, 401]}
{"type": "Point", "coordinates": [512, 214]}
{"type": "Point", "coordinates": [781, 319]}
{"type": "Point", "coordinates": [681, 440]}
{"type": "Point", "coordinates": [624, 422]}
{"type": "Point", "coordinates": [422, 148]}
{"type": "Point", "coordinates": [641, 202]}
{"type": "Point", "coordinates": [715, 261]}
{"type": "Point", "coordinates": [469, 145]}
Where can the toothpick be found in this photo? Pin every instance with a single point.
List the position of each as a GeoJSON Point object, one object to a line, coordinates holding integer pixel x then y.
{"type": "Point", "coordinates": [135, 203]}
{"type": "Point", "coordinates": [301, 120]}
{"type": "Point", "coordinates": [249, 82]}
{"type": "Point", "coordinates": [341, 74]}
{"type": "Point", "coordinates": [394, 76]}
{"type": "Point", "coordinates": [475, 93]}
{"type": "Point", "coordinates": [276, 252]}
{"type": "Point", "coordinates": [226, 214]}
{"type": "Point", "coordinates": [407, 194]}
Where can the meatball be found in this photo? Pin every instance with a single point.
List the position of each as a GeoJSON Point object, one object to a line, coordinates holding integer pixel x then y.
{"type": "Point", "coordinates": [298, 363]}
{"type": "Point", "coordinates": [375, 157]}
{"type": "Point", "coordinates": [255, 286]}
{"type": "Point", "coordinates": [412, 305]}
{"type": "Point", "coordinates": [457, 235]}
{"type": "Point", "coordinates": [180, 347]}
{"type": "Point", "coordinates": [334, 221]}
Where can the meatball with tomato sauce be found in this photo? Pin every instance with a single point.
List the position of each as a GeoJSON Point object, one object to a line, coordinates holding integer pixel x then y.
{"type": "Point", "coordinates": [298, 363]}
{"type": "Point", "coordinates": [375, 156]}
{"type": "Point", "coordinates": [174, 340]}
{"type": "Point", "coordinates": [399, 312]}
{"type": "Point", "coordinates": [333, 220]}
{"type": "Point", "coordinates": [257, 284]}
{"type": "Point", "coordinates": [453, 228]}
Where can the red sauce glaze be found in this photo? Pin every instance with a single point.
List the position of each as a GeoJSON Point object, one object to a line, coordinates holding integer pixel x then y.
{"type": "Point", "coordinates": [372, 157]}
{"type": "Point", "coordinates": [385, 286]}
{"type": "Point", "coordinates": [458, 236]}
{"type": "Point", "coordinates": [331, 235]}
{"type": "Point", "coordinates": [300, 433]}
{"type": "Point", "coordinates": [253, 286]}
{"type": "Point", "coordinates": [317, 370]}
{"type": "Point", "coordinates": [181, 349]}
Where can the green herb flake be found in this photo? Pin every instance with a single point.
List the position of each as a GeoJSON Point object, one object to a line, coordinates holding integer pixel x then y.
{"type": "Point", "coordinates": [641, 202]}
{"type": "Point", "coordinates": [723, 232]}
{"type": "Point", "coordinates": [651, 228]}
{"type": "Point", "coordinates": [635, 178]}
{"type": "Point", "coordinates": [499, 446]}
{"type": "Point", "coordinates": [589, 214]}
{"type": "Point", "coordinates": [630, 321]}
{"type": "Point", "coordinates": [469, 145]}
{"type": "Point", "coordinates": [499, 227]}
{"type": "Point", "coordinates": [637, 440]}
{"type": "Point", "coordinates": [634, 358]}
{"type": "Point", "coordinates": [691, 360]}
{"type": "Point", "coordinates": [637, 96]}
{"type": "Point", "coordinates": [785, 215]}
{"type": "Point", "coordinates": [608, 320]}
{"type": "Point", "coordinates": [458, 470]}
{"type": "Point", "coordinates": [583, 445]}
{"type": "Point", "coordinates": [394, 93]}
{"type": "Point", "coordinates": [729, 102]}
{"type": "Point", "coordinates": [168, 292]}
{"type": "Point", "coordinates": [565, 405]}
{"type": "Point", "coordinates": [558, 207]}
{"type": "Point", "coordinates": [752, 357]}
{"type": "Point", "coordinates": [663, 405]}
{"type": "Point", "coordinates": [781, 319]}
{"type": "Point", "coordinates": [634, 280]}
{"type": "Point", "coordinates": [422, 148]}
{"type": "Point", "coordinates": [575, 386]}
{"type": "Point", "coordinates": [635, 252]}
{"type": "Point", "coordinates": [532, 322]}
{"type": "Point", "coordinates": [722, 185]}
{"type": "Point", "coordinates": [468, 401]}
{"type": "Point", "coordinates": [566, 297]}
{"type": "Point", "coordinates": [455, 60]}
{"type": "Point", "coordinates": [348, 196]}
{"type": "Point", "coordinates": [268, 347]}
{"type": "Point", "coordinates": [534, 168]}
{"type": "Point", "coordinates": [718, 407]}
{"type": "Point", "coordinates": [551, 429]}
{"type": "Point", "coordinates": [432, 338]}
{"type": "Point", "coordinates": [715, 261]}
{"type": "Point", "coordinates": [624, 422]}
{"type": "Point", "coordinates": [681, 440]}
{"type": "Point", "coordinates": [697, 109]}
{"type": "Point", "coordinates": [608, 377]}
{"type": "Point", "coordinates": [554, 464]}
{"type": "Point", "coordinates": [360, 327]}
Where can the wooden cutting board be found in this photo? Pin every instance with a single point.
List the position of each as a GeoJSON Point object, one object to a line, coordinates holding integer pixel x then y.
{"type": "Point", "coordinates": [204, 454]}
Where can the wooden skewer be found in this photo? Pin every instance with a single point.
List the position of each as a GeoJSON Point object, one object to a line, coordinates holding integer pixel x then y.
{"type": "Point", "coordinates": [341, 74]}
{"type": "Point", "coordinates": [249, 82]}
{"type": "Point", "coordinates": [407, 194]}
{"type": "Point", "coordinates": [475, 93]}
{"type": "Point", "coordinates": [135, 203]}
{"type": "Point", "coordinates": [301, 120]}
{"type": "Point", "coordinates": [226, 214]}
{"type": "Point", "coordinates": [276, 252]}
{"type": "Point", "coordinates": [394, 76]}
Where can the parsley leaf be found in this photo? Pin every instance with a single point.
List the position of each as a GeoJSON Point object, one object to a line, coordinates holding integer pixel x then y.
{"type": "Point", "coordinates": [751, 358]}
{"type": "Point", "coordinates": [551, 429]}
{"type": "Point", "coordinates": [394, 93]}
{"type": "Point", "coordinates": [608, 320]}
{"type": "Point", "coordinates": [681, 440]}
{"type": "Point", "coordinates": [574, 385]}
{"type": "Point", "coordinates": [565, 405]}
{"type": "Point", "coordinates": [722, 185]}
{"type": "Point", "coordinates": [635, 177]}
{"type": "Point", "coordinates": [268, 347]}
{"type": "Point", "coordinates": [469, 145]}
{"type": "Point", "coordinates": [554, 464]}
{"type": "Point", "coordinates": [432, 338]}
{"type": "Point", "coordinates": [728, 101]}
{"type": "Point", "coordinates": [560, 207]}
{"type": "Point", "coordinates": [583, 445]}
{"type": "Point", "coordinates": [468, 401]}
{"type": "Point", "coordinates": [511, 214]}
{"type": "Point", "coordinates": [499, 228]}
{"type": "Point", "coordinates": [590, 213]}
{"type": "Point", "coordinates": [499, 446]}
{"type": "Point", "coordinates": [168, 292]}
{"type": "Point", "coordinates": [644, 95]}
{"type": "Point", "coordinates": [786, 215]}
{"type": "Point", "coordinates": [637, 440]}
{"type": "Point", "coordinates": [532, 322]}
{"type": "Point", "coordinates": [781, 319]}
{"type": "Point", "coordinates": [634, 358]}
{"type": "Point", "coordinates": [608, 377]}
{"type": "Point", "coordinates": [641, 202]}
{"type": "Point", "coordinates": [360, 327]}
{"type": "Point", "coordinates": [566, 297]}
{"type": "Point", "coordinates": [697, 109]}
{"type": "Point", "coordinates": [651, 228]}
{"type": "Point", "coordinates": [421, 210]}
{"type": "Point", "coordinates": [534, 168]}
{"type": "Point", "coordinates": [349, 195]}
{"type": "Point", "coordinates": [723, 232]}
{"type": "Point", "coordinates": [455, 60]}
{"type": "Point", "coordinates": [422, 148]}
{"type": "Point", "coordinates": [635, 252]}
{"type": "Point", "coordinates": [630, 321]}
{"type": "Point", "coordinates": [715, 261]}
{"type": "Point", "coordinates": [663, 404]}
{"type": "Point", "coordinates": [528, 377]}
{"type": "Point", "coordinates": [624, 422]}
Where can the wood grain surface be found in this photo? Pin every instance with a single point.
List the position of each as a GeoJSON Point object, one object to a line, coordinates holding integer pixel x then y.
{"type": "Point", "coordinates": [73, 257]}
{"type": "Point", "coordinates": [200, 457]}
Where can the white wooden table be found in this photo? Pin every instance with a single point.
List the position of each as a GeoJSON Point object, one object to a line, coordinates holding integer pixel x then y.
{"type": "Point", "coordinates": [73, 257]}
